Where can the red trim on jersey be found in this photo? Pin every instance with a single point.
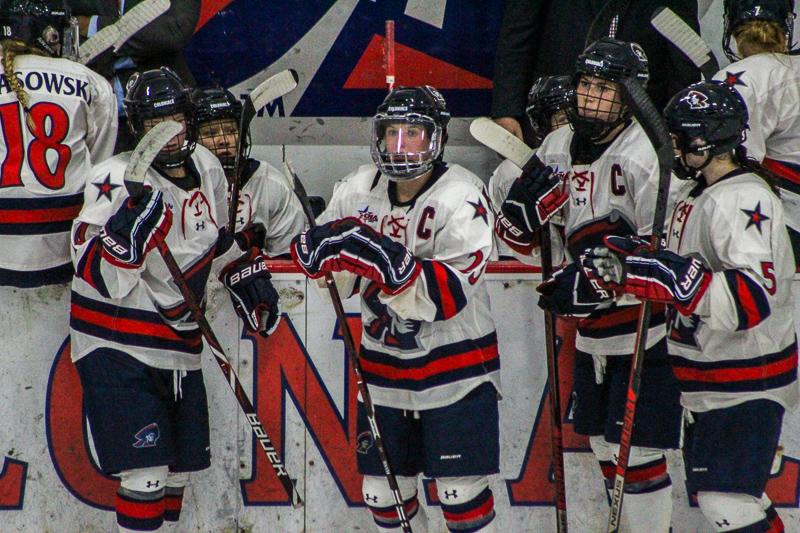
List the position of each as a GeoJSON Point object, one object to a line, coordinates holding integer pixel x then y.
{"type": "Point", "coordinates": [128, 325]}
{"type": "Point", "coordinates": [439, 366]}
{"type": "Point", "coordinates": [449, 308]}
{"type": "Point", "coordinates": [484, 509]}
{"type": "Point", "coordinates": [747, 303]}
{"type": "Point", "coordinates": [140, 510]}
{"type": "Point", "coordinates": [36, 216]}
{"type": "Point", "coordinates": [721, 375]}
{"type": "Point", "coordinates": [781, 169]}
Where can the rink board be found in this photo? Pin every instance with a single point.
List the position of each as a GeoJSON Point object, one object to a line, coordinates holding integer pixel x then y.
{"type": "Point", "coordinates": [306, 397]}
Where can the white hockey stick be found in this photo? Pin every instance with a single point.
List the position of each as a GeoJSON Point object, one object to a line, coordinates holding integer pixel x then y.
{"type": "Point", "coordinates": [144, 154]}
{"type": "Point", "coordinates": [268, 90]}
{"type": "Point", "coordinates": [679, 33]}
{"type": "Point", "coordinates": [491, 134]}
{"type": "Point", "coordinates": [115, 35]}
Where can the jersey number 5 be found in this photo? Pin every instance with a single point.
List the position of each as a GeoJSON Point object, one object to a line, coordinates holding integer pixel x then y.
{"type": "Point", "coordinates": [51, 124]}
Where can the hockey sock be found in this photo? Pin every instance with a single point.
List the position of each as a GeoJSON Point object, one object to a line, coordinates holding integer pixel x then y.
{"type": "Point", "coordinates": [467, 503]}
{"type": "Point", "coordinates": [380, 502]}
{"type": "Point", "coordinates": [739, 513]}
{"type": "Point", "coordinates": [173, 495]}
{"type": "Point", "coordinates": [140, 499]}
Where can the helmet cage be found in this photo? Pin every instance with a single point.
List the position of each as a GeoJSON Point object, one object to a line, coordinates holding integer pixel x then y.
{"type": "Point", "coordinates": [212, 106]}
{"type": "Point", "coordinates": [598, 115]}
{"type": "Point", "coordinates": [737, 12]}
{"type": "Point", "coordinates": [403, 166]}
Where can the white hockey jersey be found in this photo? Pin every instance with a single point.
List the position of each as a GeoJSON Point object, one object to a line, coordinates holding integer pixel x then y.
{"type": "Point", "coordinates": [770, 86]}
{"type": "Point", "coordinates": [140, 311]}
{"type": "Point", "coordinates": [74, 111]}
{"type": "Point", "coordinates": [430, 345]}
{"type": "Point", "coordinates": [614, 195]}
{"type": "Point", "coordinates": [740, 344]}
{"type": "Point", "coordinates": [266, 198]}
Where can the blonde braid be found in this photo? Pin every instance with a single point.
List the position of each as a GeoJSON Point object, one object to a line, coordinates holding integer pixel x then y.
{"type": "Point", "coordinates": [12, 48]}
{"type": "Point", "coordinates": [759, 36]}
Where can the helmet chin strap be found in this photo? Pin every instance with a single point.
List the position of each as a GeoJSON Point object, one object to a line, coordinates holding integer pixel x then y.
{"type": "Point", "coordinates": [685, 171]}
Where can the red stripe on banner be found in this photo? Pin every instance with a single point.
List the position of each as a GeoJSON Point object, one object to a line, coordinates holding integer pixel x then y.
{"type": "Point", "coordinates": [440, 366]}
{"type": "Point", "coordinates": [482, 510]}
{"type": "Point", "coordinates": [723, 375]}
{"type": "Point", "coordinates": [128, 325]}
{"type": "Point", "coordinates": [34, 216]}
{"type": "Point", "coordinates": [782, 170]}
{"type": "Point", "coordinates": [747, 302]}
{"type": "Point", "coordinates": [449, 308]}
{"type": "Point", "coordinates": [140, 510]}
{"type": "Point", "coordinates": [637, 475]}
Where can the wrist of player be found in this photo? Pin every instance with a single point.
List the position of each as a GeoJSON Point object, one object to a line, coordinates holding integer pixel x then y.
{"type": "Point", "coordinates": [254, 298]}
{"type": "Point", "coordinates": [666, 277]}
{"type": "Point", "coordinates": [135, 229]}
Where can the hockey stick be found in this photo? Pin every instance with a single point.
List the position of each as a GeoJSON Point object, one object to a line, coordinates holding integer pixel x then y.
{"type": "Point", "coordinates": [656, 130]}
{"type": "Point", "coordinates": [118, 33]}
{"type": "Point", "coordinates": [268, 90]}
{"type": "Point", "coordinates": [352, 351]}
{"type": "Point", "coordinates": [389, 54]}
{"type": "Point", "coordinates": [489, 133]}
{"type": "Point", "coordinates": [141, 159]}
{"type": "Point", "coordinates": [606, 22]}
{"type": "Point", "coordinates": [675, 30]}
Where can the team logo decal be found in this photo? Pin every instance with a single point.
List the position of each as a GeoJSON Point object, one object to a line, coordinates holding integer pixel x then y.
{"type": "Point", "coordinates": [147, 437]}
{"type": "Point", "coordinates": [480, 210]}
{"type": "Point", "coordinates": [639, 52]}
{"type": "Point", "coordinates": [364, 442]}
{"type": "Point", "coordinates": [395, 226]}
{"type": "Point", "coordinates": [696, 100]}
{"type": "Point", "coordinates": [105, 187]}
{"type": "Point", "coordinates": [756, 217]}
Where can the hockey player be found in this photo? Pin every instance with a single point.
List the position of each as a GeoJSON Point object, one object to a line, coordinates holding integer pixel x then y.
{"type": "Point", "coordinates": [726, 275]}
{"type": "Point", "coordinates": [603, 171]}
{"type": "Point", "coordinates": [134, 344]}
{"type": "Point", "coordinates": [266, 204]}
{"type": "Point", "coordinates": [58, 118]}
{"type": "Point", "coordinates": [417, 233]}
{"type": "Point", "coordinates": [768, 79]}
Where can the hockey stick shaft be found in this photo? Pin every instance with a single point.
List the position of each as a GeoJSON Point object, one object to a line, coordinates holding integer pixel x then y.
{"type": "Point", "coordinates": [489, 133]}
{"type": "Point", "coordinates": [352, 353]}
{"type": "Point", "coordinates": [389, 54]}
{"type": "Point", "coordinates": [140, 160]}
{"type": "Point", "coordinates": [656, 130]}
{"type": "Point", "coordinates": [267, 91]}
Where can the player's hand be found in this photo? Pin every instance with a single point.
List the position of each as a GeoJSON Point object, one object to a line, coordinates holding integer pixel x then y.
{"type": "Point", "coordinates": [348, 245]}
{"type": "Point", "coordinates": [134, 229]}
{"type": "Point", "coordinates": [512, 125]}
{"type": "Point", "coordinates": [569, 293]}
{"type": "Point", "coordinates": [253, 236]}
{"type": "Point", "coordinates": [254, 298]}
{"type": "Point", "coordinates": [533, 198]}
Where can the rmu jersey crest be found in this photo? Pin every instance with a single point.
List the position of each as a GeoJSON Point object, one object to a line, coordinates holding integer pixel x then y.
{"type": "Point", "coordinates": [431, 344]}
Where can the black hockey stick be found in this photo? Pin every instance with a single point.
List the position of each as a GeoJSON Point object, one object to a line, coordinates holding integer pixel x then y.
{"type": "Point", "coordinates": [489, 133]}
{"type": "Point", "coordinates": [656, 130]}
{"type": "Point", "coordinates": [675, 30]}
{"type": "Point", "coordinates": [352, 351]}
{"type": "Point", "coordinates": [267, 91]}
{"type": "Point", "coordinates": [141, 159]}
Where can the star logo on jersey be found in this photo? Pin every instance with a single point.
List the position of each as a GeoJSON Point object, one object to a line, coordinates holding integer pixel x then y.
{"type": "Point", "coordinates": [147, 437]}
{"type": "Point", "coordinates": [105, 187]}
{"type": "Point", "coordinates": [480, 210]}
{"type": "Point", "coordinates": [756, 217]}
{"type": "Point", "coordinates": [734, 78]}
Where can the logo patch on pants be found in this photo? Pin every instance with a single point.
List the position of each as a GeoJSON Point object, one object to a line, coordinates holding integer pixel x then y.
{"type": "Point", "coordinates": [147, 436]}
{"type": "Point", "coordinates": [364, 442]}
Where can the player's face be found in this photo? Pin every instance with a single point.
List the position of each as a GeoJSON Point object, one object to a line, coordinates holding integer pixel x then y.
{"type": "Point", "coordinates": [598, 99]}
{"type": "Point", "coordinates": [176, 142]}
{"type": "Point", "coordinates": [220, 136]}
{"type": "Point", "coordinates": [558, 119]}
{"type": "Point", "coordinates": [406, 139]}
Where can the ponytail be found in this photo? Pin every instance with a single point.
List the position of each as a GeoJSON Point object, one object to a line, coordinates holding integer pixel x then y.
{"type": "Point", "coordinates": [11, 49]}
{"type": "Point", "coordinates": [751, 165]}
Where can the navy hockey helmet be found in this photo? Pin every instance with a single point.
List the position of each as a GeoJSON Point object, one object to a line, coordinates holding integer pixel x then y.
{"type": "Point", "coordinates": [737, 12]}
{"type": "Point", "coordinates": [44, 24]}
{"type": "Point", "coordinates": [160, 93]}
{"type": "Point", "coordinates": [212, 106]}
{"type": "Point", "coordinates": [548, 96]}
{"type": "Point", "coordinates": [711, 112]}
{"type": "Point", "coordinates": [409, 132]}
{"type": "Point", "coordinates": [611, 60]}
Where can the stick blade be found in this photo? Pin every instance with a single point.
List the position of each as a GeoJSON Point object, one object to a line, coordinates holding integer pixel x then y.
{"type": "Point", "coordinates": [274, 87]}
{"type": "Point", "coordinates": [675, 30]}
{"type": "Point", "coordinates": [145, 152]}
{"type": "Point", "coordinates": [137, 18]}
{"type": "Point", "coordinates": [97, 44]}
{"type": "Point", "coordinates": [492, 135]}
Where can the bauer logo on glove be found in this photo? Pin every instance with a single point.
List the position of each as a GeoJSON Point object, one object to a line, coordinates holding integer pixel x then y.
{"type": "Point", "coordinates": [254, 298]}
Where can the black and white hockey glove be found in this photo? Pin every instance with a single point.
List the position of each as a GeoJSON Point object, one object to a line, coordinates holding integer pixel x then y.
{"type": "Point", "coordinates": [254, 298]}
{"type": "Point", "coordinates": [348, 245]}
{"type": "Point", "coordinates": [533, 199]}
{"type": "Point", "coordinates": [254, 235]}
{"type": "Point", "coordinates": [131, 232]}
{"type": "Point", "coordinates": [570, 293]}
{"type": "Point", "coordinates": [658, 276]}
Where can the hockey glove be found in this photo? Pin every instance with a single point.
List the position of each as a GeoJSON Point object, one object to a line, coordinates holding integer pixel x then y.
{"type": "Point", "coordinates": [348, 245]}
{"type": "Point", "coordinates": [658, 276]}
{"type": "Point", "coordinates": [254, 235]}
{"type": "Point", "coordinates": [254, 298]}
{"type": "Point", "coordinates": [570, 293]}
{"type": "Point", "coordinates": [131, 232]}
{"type": "Point", "coordinates": [533, 199]}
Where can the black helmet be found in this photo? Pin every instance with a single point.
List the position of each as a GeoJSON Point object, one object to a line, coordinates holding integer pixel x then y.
{"type": "Point", "coordinates": [217, 103]}
{"type": "Point", "coordinates": [420, 106]}
{"type": "Point", "coordinates": [548, 95]}
{"type": "Point", "coordinates": [613, 60]}
{"type": "Point", "coordinates": [737, 12]}
{"type": "Point", "coordinates": [711, 111]}
{"type": "Point", "coordinates": [160, 93]}
{"type": "Point", "coordinates": [44, 24]}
